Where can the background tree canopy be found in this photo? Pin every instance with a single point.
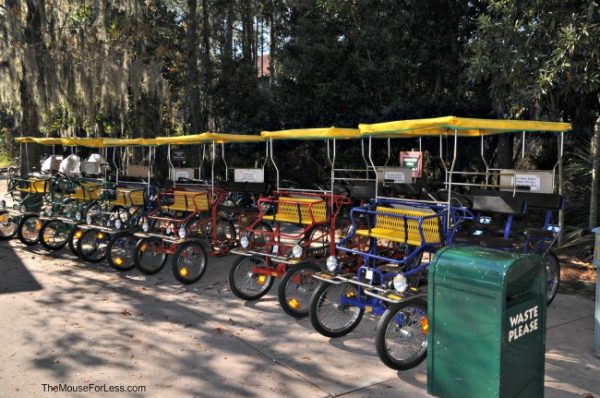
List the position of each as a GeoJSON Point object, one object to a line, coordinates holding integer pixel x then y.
{"type": "Point", "coordinates": [155, 67]}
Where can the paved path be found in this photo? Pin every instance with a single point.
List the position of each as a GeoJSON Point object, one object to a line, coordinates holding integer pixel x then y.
{"type": "Point", "coordinates": [63, 321]}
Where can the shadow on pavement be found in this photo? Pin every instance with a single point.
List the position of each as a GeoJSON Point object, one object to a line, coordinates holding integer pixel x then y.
{"type": "Point", "coordinates": [15, 275]}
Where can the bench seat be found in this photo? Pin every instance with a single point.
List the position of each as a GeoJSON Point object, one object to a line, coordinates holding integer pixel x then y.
{"type": "Point", "coordinates": [304, 211]}
{"type": "Point", "coordinates": [394, 225]}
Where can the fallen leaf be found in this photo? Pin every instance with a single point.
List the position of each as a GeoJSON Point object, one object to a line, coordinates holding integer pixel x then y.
{"type": "Point", "coordinates": [125, 313]}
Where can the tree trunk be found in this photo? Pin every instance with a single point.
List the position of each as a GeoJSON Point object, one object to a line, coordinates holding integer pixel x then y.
{"type": "Point", "coordinates": [595, 152]}
{"type": "Point", "coordinates": [228, 50]}
{"type": "Point", "coordinates": [247, 32]}
{"type": "Point", "coordinates": [504, 151]}
{"type": "Point", "coordinates": [273, 47]}
{"type": "Point", "coordinates": [207, 67]}
{"type": "Point", "coordinates": [30, 120]}
{"type": "Point", "coordinates": [192, 88]}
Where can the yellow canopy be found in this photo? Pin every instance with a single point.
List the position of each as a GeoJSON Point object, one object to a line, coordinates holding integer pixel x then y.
{"type": "Point", "coordinates": [66, 141]}
{"type": "Point", "coordinates": [112, 142]}
{"type": "Point", "coordinates": [87, 142]}
{"type": "Point", "coordinates": [207, 138]}
{"type": "Point", "coordinates": [465, 127]}
{"type": "Point", "coordinates": [313, 134]}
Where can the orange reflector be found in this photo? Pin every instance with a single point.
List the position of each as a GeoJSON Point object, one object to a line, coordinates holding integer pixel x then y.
{"type": "Point", "coordinates": [294, 304]}
{"type": "Point", "coordinates": [143, 247]}
{"type": "Point", "coordinates": [38, 225]}
{"type": "Point", "coordinates": [78, 234]}
{"type": "Point", "coordinates": [99, 235]}
{"type": "Point", "coordinates": [118, 261]}
{"type": "Point", "coordinates": [46, 239]}
{"type": "Point", "coordinates": [183, 271]}
{"type": "Point", "coordinates": [424, 325]}
{"type": "Point", "coordinates": [350, 294]}
{"type": "Point", "coordinates": [1, 217]}
{"type": "Point", "coordinates": [262, 279]}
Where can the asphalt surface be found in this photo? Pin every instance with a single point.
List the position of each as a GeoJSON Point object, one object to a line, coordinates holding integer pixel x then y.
{"type": "Point", "coordinates": [66, 322]}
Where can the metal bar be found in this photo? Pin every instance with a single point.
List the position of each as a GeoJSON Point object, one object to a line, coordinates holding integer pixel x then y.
{"type": "Point", "coordinates": [374, 168]}
{"type": "Point", "coordinates": [224, 161]}
{"type": "Point", "coordinates": [273, 161]}
{"type": "Point", "coordinates": [212, 170]}
{"type": "Point", "coordinates": [485, 162]}
{"type": "Point", "coordinates": [389, 151]}
{"type": "Point", "coordinates": [450, 178]}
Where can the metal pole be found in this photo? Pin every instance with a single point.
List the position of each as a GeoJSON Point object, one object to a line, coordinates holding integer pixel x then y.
{"type": "Point", "coordinates": [273, 161]}
{"type": "Point", "coordinates": [224, 161]}
{"type": "Point", "coordinates": [375, 169]}
{"type": "Point", "coordinates": [450, 180]}
{"type": "Point", "coordinates": [212, 169]}
{"type": "Point", "coordinates": [171, 166]}
{"type": "Point", "coordinates": [362, 152]}
{"type": "Point", "coordinates": [487, 166]}
{"type": "Point", "coordinates": [389, 151]}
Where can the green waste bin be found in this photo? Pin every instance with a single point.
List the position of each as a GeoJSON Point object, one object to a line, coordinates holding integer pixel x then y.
{"type": "Point", "coordinates": [487, 321]}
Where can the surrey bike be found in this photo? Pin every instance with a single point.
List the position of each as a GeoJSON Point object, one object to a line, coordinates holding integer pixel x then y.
{"type": "Point", "coordinates": [403, 234]}
{"type": "Point", "coordinates": [292, 236]}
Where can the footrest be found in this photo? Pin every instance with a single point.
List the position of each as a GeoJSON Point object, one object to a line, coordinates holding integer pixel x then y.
{"type": "Point", "coordinates": [538, 234]}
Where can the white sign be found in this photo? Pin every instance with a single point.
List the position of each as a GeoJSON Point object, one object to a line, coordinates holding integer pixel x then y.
{"type": "Point", "coordinates": [523, 323]}
{"type": "Point", "coordinates": [540, 181]}
{"type": "Point", "coordinates": [178, 173]}
{"type": "Point", "coordinates": [398, 175]}
{"type": "Point", "coordinates": [527, 180]}
{"type": "Point", "coordinates": [249, 175]}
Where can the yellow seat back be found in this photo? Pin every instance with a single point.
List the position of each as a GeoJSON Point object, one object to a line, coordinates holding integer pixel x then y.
{"type": "Point", "coordinates": [301, 210]}
{"type": "Point", "coordinates": [188, 201]}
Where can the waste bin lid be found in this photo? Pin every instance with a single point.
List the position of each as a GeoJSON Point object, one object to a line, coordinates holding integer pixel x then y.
{"type": "Point", "coordinates": [483, 270]}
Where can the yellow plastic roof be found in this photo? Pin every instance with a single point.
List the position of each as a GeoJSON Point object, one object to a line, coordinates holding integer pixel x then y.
{"type": "Point", "coordinates": [67, 141]}
{"type": "Point", "coordinates": [207, 138]}
{"type": "Point", "coordinates": [465, 127]}
{"type": "Point", "coordinates": [87, 142]}
{"type": "Point", "coordinates": [326, 133]}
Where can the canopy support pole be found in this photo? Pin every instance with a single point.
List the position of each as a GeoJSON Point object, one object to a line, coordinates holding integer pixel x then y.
{"type": "Point", "coordinates": [485, 162]}
{"type": "Point", "coordinates": [273, 161]}
{"type": "Point", "coordinates": [224, 161]}
{"type": "Point", "coordinates": [374, 169]}
{"type": "Point", "coordinates": [448, 212]}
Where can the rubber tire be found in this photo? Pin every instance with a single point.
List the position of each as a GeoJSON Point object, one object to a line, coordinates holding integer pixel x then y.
{"type": "Point", "coordinates": [237, 291]}
{"type": "Point", "coordinates": [87, 257]}
{"type": "Point", "coordinates": [72, 241]}
{"type": "Point", "coordinates": [45, 244]}
{"type": "Point", "coordinates": [14, 232]}
{"type": "Point", "coordinates": [136, 252]}
{"type": "Point", "coordinates": [550, 295]}
{"type": "Point", "coordinates": [287, 279]}
{"type": "Point", "coordinates": [318, 252]}
{"type": "Point", "coordinates": [382, 325]}
{"type": "Point", "coordinates": [178, 253]}
{"type": "Point", "coordinates": [109, 246]}
{"type": "Point", "coordinates": [314, 319]}
{"type": "Point", "coordinates": [22, 238]}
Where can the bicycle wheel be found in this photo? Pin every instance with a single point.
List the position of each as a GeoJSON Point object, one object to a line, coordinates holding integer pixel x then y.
{"type": "Point", "coordinates": [401, 339]}
{"type": "Point", "coordinates": [317, 240]}
{"type": "Point", "coordinates": [329, 315]}
{"type": "Point", "coordinates": [119, 251]}
{"type": "Point", "coordinates": [247, 284]}
{"type": "Point", "coordinates": [149, 256]}
{"type": "Point", "coordinates": [189, 262]}
{"type": "Point", "coordinates": [91, 247]}
{"type": "Point", "coordinates": [73, 238]}
{"type": "Point", "coordinates": [29, 229]}
{"type": "Point", "coordinates": [54, 234]}
{"type": "Point", "coordinates": [8, 226]}
{"type": "Point", "coordinates": [296, 288]}
{"type": "Point", "coordinates": [552, 276]}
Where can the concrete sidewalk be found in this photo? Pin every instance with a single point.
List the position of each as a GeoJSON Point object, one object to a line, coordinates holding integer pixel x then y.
{"type": "Point", "coordinates": [63, 321]}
